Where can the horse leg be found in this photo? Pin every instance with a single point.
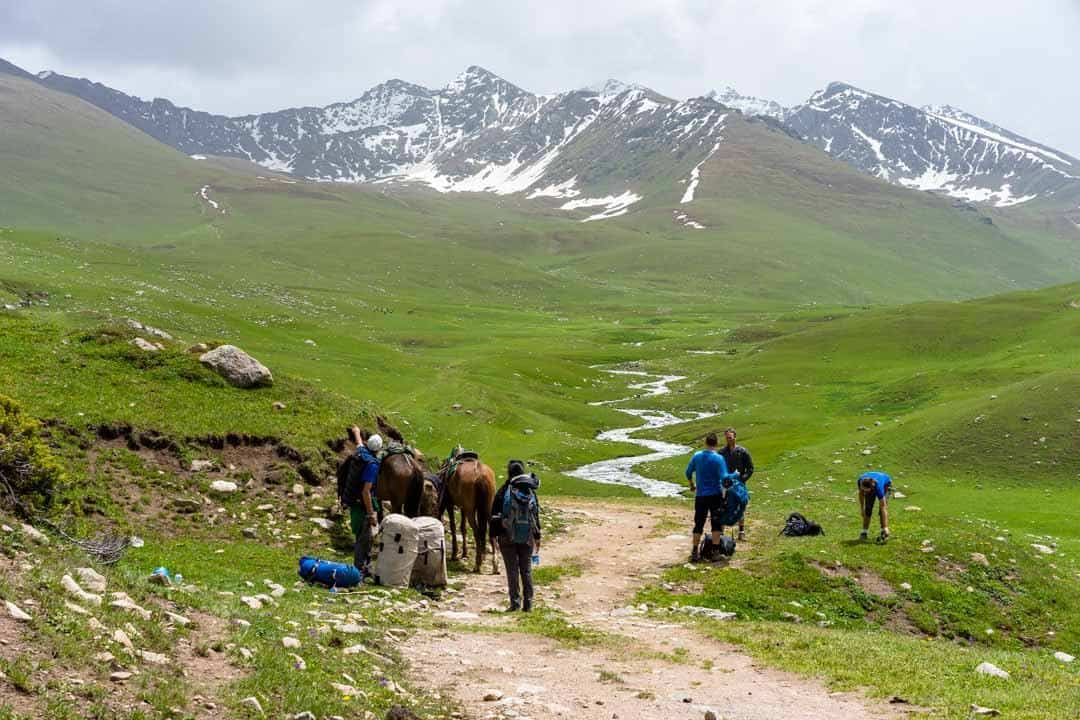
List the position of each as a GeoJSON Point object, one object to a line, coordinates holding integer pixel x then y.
{"type": "Point", "coordinates": [453, 536]}
{"type": "Point", "coordinates": [480, 544]}
{"type": "Point", "coordinates": [464, 536]}
{"type": "Point", "coordinates": [494, 557]}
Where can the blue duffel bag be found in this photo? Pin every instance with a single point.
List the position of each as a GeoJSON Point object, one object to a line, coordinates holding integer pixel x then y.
{"type": "Point", "coordinates": [330, 574]}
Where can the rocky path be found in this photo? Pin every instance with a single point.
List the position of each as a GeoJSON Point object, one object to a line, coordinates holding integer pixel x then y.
{"type": "Point", "coordinates": [652, 668]}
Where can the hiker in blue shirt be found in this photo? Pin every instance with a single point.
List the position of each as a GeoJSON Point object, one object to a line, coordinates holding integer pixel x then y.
{"type": "Point", "coordinates": [363, 479]}
{"type": "Point", "coordinates": [711, 471]}
{"type": "Point", "coordinates": [873, 486]}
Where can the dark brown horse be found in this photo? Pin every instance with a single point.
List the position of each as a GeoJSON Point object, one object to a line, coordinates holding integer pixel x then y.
{"type": "Point", "coordinates": [470, 485]}
{"type": "Point", "coordinates": [404, 484]}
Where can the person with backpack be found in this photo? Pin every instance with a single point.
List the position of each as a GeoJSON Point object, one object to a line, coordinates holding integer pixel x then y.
{"type": "Point", "coordinates": [873, 486]}
{"type": "Point", "coordinates": [738, 460]}
{"type": "Point", "coordinates": [357, 491]}
{"type": "Point", "coordinates": [711, 471]}
{"type": "Point", "coordinates": [515, 522]}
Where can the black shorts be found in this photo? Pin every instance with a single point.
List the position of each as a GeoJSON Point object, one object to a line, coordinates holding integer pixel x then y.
{"type": "Point", "coordinates": [709, 505]}
{"type": "Point", "coordinates": [868, 504]}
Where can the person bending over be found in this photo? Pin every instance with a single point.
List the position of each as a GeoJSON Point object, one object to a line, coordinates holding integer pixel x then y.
{"type": "Point", "coordinates": [874, 486]}
{"type": "Point", "coordinates": [709, 468]}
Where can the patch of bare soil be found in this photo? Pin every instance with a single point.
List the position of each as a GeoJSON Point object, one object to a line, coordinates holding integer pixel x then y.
{"type": "Point", "coordinates": [205, 663]}
{"type": "Point", "coordinates": [652, 669]}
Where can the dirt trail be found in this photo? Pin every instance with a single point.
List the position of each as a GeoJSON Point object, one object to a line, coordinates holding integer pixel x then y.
{"type": "Point", "coordinates": [540, 678]}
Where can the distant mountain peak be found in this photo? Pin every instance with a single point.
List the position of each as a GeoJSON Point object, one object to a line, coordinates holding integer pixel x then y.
{"type": "Point", "coordinates": [611, 87]}
{"type": "Point", "coordinates": [472, 77]}
{"type": "Point", "coordinates": [747, 104]}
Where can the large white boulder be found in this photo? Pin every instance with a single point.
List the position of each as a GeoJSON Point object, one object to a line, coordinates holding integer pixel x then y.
{"type": "Point", "coordinates": [237, 367]}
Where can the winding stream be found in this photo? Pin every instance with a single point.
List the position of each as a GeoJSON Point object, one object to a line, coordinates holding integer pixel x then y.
{"type": "Point", "coordinates": [620, 470]}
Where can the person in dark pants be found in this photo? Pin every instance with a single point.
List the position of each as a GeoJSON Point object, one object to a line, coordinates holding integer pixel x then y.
{"type": "Point", "coordinates": [515, 522]}
{"type": "Point", "coordinates": [738, 461]}
{"type": "Point", "coordinates": [364, 511]}
{"type": "Point", "coordinates": [710, 469]}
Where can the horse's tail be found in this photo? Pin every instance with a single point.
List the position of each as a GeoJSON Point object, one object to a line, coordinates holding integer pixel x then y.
{"type": "Point", "coordinates": [483, 499]}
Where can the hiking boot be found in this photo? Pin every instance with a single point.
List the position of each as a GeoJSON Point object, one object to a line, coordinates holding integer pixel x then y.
{"type": "Point", "coordinates": [742, 536]}
{"type": "Point", "coordinates": [514, 606]}
{"type": "Point", "coordinates": [527, 607]}
{"type": "Point", "coordinates": [695, 556]}
{"type": "Point", "coordinates": [862, 535]}
{"type": "Point", "coordinates": [883, 536]}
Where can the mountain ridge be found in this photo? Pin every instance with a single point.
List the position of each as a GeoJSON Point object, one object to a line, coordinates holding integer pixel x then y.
{"type": "Point", "coordinates": [482, 133]}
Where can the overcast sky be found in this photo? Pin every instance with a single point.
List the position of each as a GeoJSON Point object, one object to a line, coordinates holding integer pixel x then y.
{"type": "Point", "coordinates": [1014, 63]}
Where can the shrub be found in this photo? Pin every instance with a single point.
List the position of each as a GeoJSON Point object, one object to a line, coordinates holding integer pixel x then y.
{"type": "Point", "coordinates": [26, 463]}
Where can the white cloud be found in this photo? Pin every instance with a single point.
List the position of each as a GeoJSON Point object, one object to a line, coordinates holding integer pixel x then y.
{"type": "Point", "coordinates": [1012, 63]}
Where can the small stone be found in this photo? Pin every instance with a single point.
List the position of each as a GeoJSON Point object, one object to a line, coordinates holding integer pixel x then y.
{"type": "Point", "coordinates": [198, 348]}
{"type": "Point", "coordinates": [104, 657]}
{"type": "Point", "coordinates": [279, 406]}
{"type": "Point", "coordinates": [245, 653]}
{"type": "Point", "coordinates": [253, 603]}
{"type": "Point", "coordinates": [34, 534]}
{"type": "Point", "coordinates": [528, 431]}
{"type": "Point", "coordinates": [120, 676]}
{"type": "Point", "coordinates": [324, 523]}
{"type": "Point", "coordinates": [913, 508]}
{"type": "Point", "coordinates": [349, 628]}
{"type": "Point", "coordinates": [224, 487]}
{"type": "Point", "coordinates": [91, 579]}
{"type": "Point", "coordinates": [306, 715]}
{"type": "Point", "coordinates": [254, 703]}
{"type": "Point", "coordinates": [980, 559]}
{"type": "Point", "coordinates": [16, 613]}
{"type": "Point", "coordinates": [984, 711]}
{"type": "Point", "coordinates": [492, 696]}
{"type": "Point", "coordinates": [250, 533]}
{"type": "Point", "coordinates": [153, 657]}
{"type": "Point", "coordinates": [297, 489]}
{"type": "Point", "coordinates": [237, 367]}
{"type": "Point", "coordinates": [178, 619]}
{"type": "Point", "coordinates": [1044, 549]}
{"type": "Point", "coordinates": [905, 586]}
{"type": "Point", "coordinates": [241, 623]}
{"type": "Point", "coordinates": [1063, 657]}
{"type": "Point", "coordinates": [710, 715]}
{"type": "Point", "coordinates": [202, 465]}
{"type": "Point", "coordinates": [77, 609]}
{"type": "Point", "coordinates": [986, 668]}
{"type": "Point", "coordinates": [290, 642]}
{"type": "Point", "coordinates": [144, 345]}
{"type": "Point", "coordinates": [72, 588]}
{"type": "Point", "coordinates": [121, 638]}
{"type": "Point", "coordinates": [298, 662]}
{"type": "Point", "coordinates": [123, 602]}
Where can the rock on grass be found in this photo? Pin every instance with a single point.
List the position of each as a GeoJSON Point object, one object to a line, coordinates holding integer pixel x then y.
{"type": "Point", "coordinates": [237, 367]}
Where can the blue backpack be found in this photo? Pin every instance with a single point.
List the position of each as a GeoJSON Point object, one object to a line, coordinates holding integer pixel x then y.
{"type": "Point", "coordinates": [519, 509]}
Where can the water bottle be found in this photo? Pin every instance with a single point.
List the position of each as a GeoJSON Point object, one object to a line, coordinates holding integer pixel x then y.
{"type": "Point", "coordinates": [178, 579]}
{"type": "Point", "coordinates": [536, 559]}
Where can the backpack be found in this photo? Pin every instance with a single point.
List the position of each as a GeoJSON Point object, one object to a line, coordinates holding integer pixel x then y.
{"type": "Point", "coordinates": [797, 526]}
{"type": "Point", "coordinates": [708, 551]}
{"type": "Point", "coordinates": [345, 492]}
{"type": "Point", "coordinates": [519, 510]}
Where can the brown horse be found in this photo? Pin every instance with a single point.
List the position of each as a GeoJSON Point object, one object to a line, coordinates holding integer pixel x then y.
{"type": "Point", "coordinates": [470, 485]}
{"type": "Point", "coordinates": [405, 487]}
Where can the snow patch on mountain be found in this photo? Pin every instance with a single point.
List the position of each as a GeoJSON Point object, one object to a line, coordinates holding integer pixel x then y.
{"type": "Point", "coordinates": [564, 189]}
{"type": "Point", "coordinates": [695, 177]}
{"type": "Point", "coordinates": [685, 220]}
{"type": "Point", "coordinates": [614, 205]}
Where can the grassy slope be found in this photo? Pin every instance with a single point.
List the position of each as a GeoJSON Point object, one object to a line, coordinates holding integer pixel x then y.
{"type": "Point", "coordinates": [973, 409]}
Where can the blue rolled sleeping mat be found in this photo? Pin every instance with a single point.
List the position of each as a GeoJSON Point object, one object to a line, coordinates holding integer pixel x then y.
{"type": "Point", "coordinates": [330, 574]}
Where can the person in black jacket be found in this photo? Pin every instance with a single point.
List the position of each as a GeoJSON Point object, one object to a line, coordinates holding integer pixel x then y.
{"type": "Point", "coordinates": [738, 460]}
{"type": "Point", "coordinates": [513, 518]}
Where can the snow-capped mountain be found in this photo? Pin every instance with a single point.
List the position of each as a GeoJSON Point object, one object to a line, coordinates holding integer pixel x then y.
{"type": "Point", "coordinates": [748, 104]}
{"type": "Point", "coordinates": [591, 147]}
{"type": "Point", "coordinates": [938, 148]}
{"type": "Point", "coordinates": [604, 142]}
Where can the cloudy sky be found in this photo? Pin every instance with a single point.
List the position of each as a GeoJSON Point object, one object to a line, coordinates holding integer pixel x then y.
{"type": "Point", "coordinates": [1011, 62]}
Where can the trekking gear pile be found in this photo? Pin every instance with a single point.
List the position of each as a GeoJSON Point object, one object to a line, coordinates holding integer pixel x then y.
{"type": "Point", "coordinates": [797, 526]}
